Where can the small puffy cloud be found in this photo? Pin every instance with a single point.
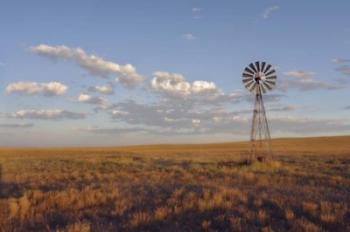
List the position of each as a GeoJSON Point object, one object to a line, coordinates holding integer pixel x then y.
{"type": "Point", "coordinates": [268, 11]}
{"type": "Point", "coordinates": [127, 74]}
{"type": "Point", "coordinates": [116, 113]}
{"type": "Point", "coordinates": [344, 69]}
{"type": "Point", "coordinates": [34, 88]}
{"type": "Point", "coordinates": [304, 81]}
{"type": "Point", "coordinates": [85, 98]}
{"type": "Point", "coordinates": [16, 125]}
{"type": "Point", "coordinates": [196, 12]}
{"type": "Point", "coordinates": [300, 74]}
{"type": "Point", "coordinates": [175, 85]}
{"type": "Point", "coordinates": [103, 89]}
{"type": "Point", "coordinates": [170, 83]}
{"type": "Point", "coordinates": [50, 114]}
{"type": "Point", "coordinates": [204, 87]}
{"type": "Point", "coordinates": [196, 122]}
{"type": "Point", "coordinates": [189, 36]}
{"type": "Point", "coordinates": [340, 60]}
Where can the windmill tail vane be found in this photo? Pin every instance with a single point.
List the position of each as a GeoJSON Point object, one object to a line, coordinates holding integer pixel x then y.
{"type": "Point", "coordinates": [259, 77]}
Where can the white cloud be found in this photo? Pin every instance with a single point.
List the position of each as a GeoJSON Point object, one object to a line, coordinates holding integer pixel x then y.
{"type": "Point", "coordinates": [16, 125]}
{"type": "Point", "coordinates": [85, 98]}
{"type": "Point", "coordinates": [50, 114]}
{"type": "Point", "coordinates": [34, 88]}
{"type": "Point", "coordinates": [344, 69]}
{"type": "Point", "coordinates": [175, 85]}
{"type": "Point", "coordinates": [340, 60]}
{"type": "Point", "coordinates": [196, 12]}
{"type": "Point", "coordinates": [127, 74]}
{"type": "Point", "coordinates": [117, 113]}
{"type": "Point", "coordinates": [170, 83]}
{"type": "Point", "coordinates": [305, 81]}
{"type": "Point", "coordinates": [300, 74]}
{"type": "Point", "coordinates": [196, 122]}
{"type": "Point", "coordinates": [268, 11]}
{"type": "Point", "coordinates": [103, 89]}
{"type": "Point", "coordinates": [203, 87]}
{"type": "Point", "coordinates": [189, 36]}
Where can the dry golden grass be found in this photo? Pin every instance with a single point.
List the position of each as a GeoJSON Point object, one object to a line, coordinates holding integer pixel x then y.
{"type": "Point", "coordinates": [177, 188]}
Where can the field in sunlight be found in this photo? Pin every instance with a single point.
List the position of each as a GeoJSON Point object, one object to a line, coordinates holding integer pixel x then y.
{"type": "Point", "coordinates": [177, 188]}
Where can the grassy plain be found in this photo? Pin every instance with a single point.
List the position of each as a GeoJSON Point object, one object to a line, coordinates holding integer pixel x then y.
{"type": "Point", "coordinates": [177, 188]}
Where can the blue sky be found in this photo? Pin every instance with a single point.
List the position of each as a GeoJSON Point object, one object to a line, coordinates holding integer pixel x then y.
{"type": "Point", "coordinates": [78, 73]}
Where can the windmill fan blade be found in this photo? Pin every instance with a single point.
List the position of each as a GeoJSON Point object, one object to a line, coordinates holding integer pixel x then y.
{"type": "Point", "coordinates": [247, 75]}
{"type": "Point", "coordinates": [247, 80]}
{"type": "Point", "coordinates": [248, 70]}
{"type": "Point", "coordinates": [269, 73]}
{"type": "Point", "coordinates": [251, 85]}
{"type": "Point", "coordinates": [257, 64]}
{"type": "Point", "coordinates": [266, 85]}
{"type": "Point", "coordinates": [271, 78]}
{"type": "Point", "coordinates": [270, 82]}
{"type": "Point", "coordinates": [263, 64]}
{"type": "Point", "coordinates": [262, 88]}
{"type": "Point", "coordinates": [251, 65]}
{"type": "Point", "coordinates": [248, 84]}
{"type": "Point", "coordinates": [267, 68]}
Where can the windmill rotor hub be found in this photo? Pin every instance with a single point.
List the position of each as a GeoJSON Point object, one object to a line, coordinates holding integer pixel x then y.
{"type": "Point", "coordinates": [259, 74]}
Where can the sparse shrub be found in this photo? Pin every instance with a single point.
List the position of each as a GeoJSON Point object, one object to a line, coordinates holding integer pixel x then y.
{"type": "Point", "coordinates": [257, 202]}
{"type": "Point", "coordinates": [289, 214]}
{"type": "Point", "coordinates": [13, 208]}
{"type": "Point", "coordinates": [24, 205]}
{"type": "Point", "coordinates": [310, 207]}
{"type": "Point", "coordinates": [121, 205]}
{"type": "Point", "coordinates": [161, 213]}
{"type": "Point", "coordinates": [206, 225]}
{"type": "Point", "coordinates": [305, 225]}
{"type": "Point", "coordinates": [235, 223]}
{"type": "Point", "coordinates": [267, 229]}
{"type": "Point", "coordinates": [140, 218]}
{"type": "Point", "coordinates": [77, 227]}
{"type": "Point", "coordinates": [328, 217]}
{"type": "Point", "coordinates": [262, 216]}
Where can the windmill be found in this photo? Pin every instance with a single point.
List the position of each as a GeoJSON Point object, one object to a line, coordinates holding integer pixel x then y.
{"type": "Point", "coordinates": [258, 78]}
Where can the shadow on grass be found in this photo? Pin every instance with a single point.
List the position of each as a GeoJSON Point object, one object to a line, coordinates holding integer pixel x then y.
{"type": "Point", "coordinates": [8, 189]}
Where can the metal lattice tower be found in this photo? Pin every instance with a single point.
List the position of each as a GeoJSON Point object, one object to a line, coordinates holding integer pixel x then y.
{"type": "Point", "coordinates": [258, 78]}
